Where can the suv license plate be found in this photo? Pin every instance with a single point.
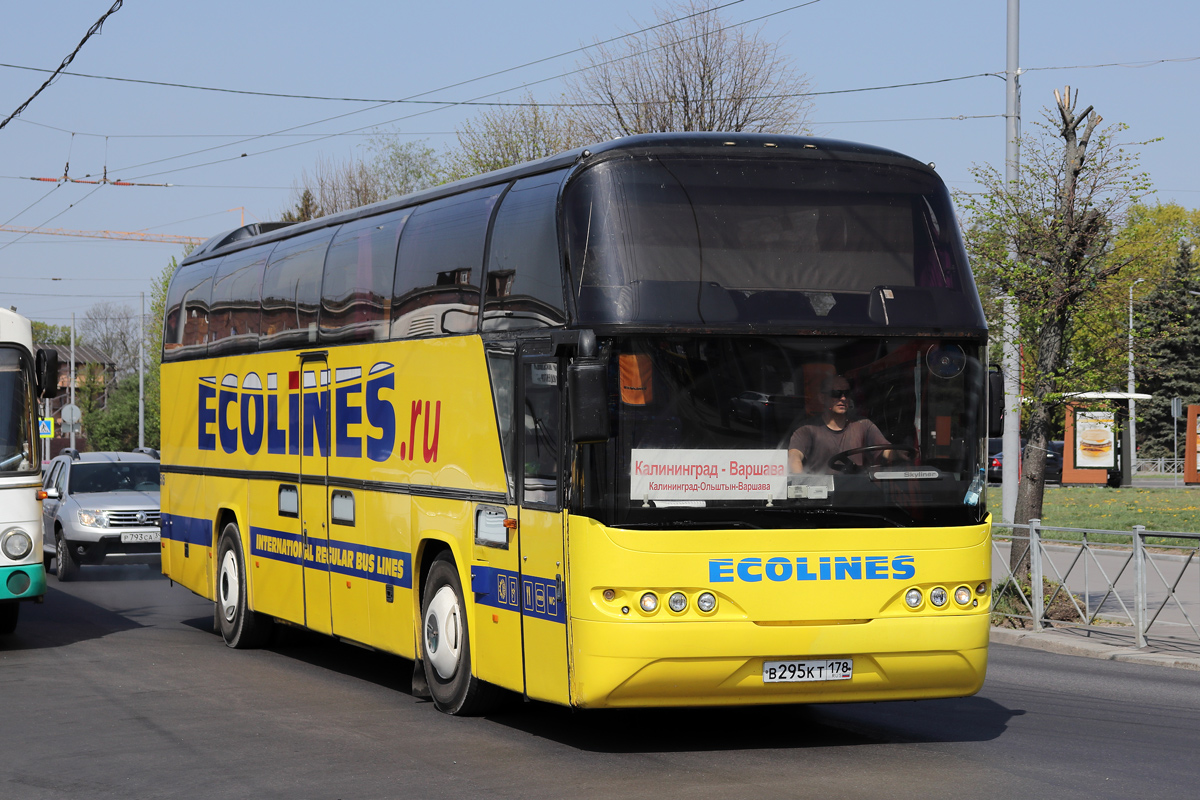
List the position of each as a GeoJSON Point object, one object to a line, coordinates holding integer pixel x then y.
{"type": "Point", "coordinates": [833, 669]}
{"type": "Point", "coordinates": [139, 536]}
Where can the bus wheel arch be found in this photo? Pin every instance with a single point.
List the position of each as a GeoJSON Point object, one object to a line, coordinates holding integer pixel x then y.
{"type": "Point", "coordinates": [240, 627]}
{"type": "Point", "coordinates": [444, 633]}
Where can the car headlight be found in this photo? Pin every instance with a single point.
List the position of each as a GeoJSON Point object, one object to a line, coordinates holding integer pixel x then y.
{"type": "Point", "coordinates": [16, 543]}
{"type": "Point", "coordinates": [93, 519]}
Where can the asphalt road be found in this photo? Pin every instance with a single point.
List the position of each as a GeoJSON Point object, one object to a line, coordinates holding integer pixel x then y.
{"type": "Point", "coordinates": [117, 687]}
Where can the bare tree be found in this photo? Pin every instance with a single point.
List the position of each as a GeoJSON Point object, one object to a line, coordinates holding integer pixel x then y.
{"type": "Point", "coordinates": [506, 136]}
{"type": "Point", "coordinates": [1064, 215]}
{"type": "Point", "coordinates": [334, 186]}
{"type": "Point", "coordinates": [113, 329]}
{"type": "Point", "coordinates": [693, 72]}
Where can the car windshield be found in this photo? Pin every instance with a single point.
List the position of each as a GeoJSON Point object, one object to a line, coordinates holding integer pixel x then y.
{"type": "Point", "coordinates": [114, 477]}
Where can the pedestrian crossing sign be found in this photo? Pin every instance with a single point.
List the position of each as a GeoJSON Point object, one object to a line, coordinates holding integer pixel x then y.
{"type": "Point", "coordinates": [46, 427]}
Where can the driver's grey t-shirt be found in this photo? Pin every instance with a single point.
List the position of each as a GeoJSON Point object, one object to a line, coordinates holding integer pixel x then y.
{"type": "Point", "coordinates": [818, 443]}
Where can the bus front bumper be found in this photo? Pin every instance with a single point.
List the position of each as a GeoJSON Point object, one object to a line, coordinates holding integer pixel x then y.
{"type": "Point", "coordinates": [22, 582]}
{"type": "Point", "coordinates": [721, 663]}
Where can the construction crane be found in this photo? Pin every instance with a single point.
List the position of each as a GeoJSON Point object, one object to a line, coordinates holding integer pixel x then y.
{"type": "Point", "coordinates": [132, 236]}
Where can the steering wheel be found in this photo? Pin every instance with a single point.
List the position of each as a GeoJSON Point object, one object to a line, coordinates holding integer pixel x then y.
{"type": "Point", "coordinates": [842, 463]}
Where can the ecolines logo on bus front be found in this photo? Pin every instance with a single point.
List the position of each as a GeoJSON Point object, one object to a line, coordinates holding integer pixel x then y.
{"type": "Point", "coordinates": [358, 414]}
{"type": "Point", "coordinates": [828, 568]}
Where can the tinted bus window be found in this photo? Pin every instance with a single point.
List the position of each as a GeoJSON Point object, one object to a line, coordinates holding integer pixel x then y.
{"type": "Point", "coordinates": [439, 264]}
{"type": "Point", "coordinates": [236, 301]}
{"type": "Point", "coordinates": [185, 328]}
{"type": "Point", "coordinates": [524, 286]}
{"type": "Point", "coordinates": [356, 296]}
{"type": "Point", "coordinates": [291, 295]}
{"type": "Point", "coordinates": [684, 240]}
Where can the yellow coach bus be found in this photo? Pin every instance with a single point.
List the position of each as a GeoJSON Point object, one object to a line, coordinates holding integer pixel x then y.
{"type": "Point", "coordinates": [680, 419]}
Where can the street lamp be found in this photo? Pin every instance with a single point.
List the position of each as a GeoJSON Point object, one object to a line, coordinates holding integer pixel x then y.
{"type": "Point", "coordinates": [1132, 415]}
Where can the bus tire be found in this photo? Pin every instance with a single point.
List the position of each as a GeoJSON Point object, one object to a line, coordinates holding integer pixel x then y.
{"type": "Point", "coordinates": [9, 611]}
{"type": "Point", "coordinates": [68, 567]}
{"type": "Point", "coordinates": [446, 644]}
{"type": "Point", "coordinates": [240, 627]}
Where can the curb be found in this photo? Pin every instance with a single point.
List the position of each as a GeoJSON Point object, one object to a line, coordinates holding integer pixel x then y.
{"type": "Point", "coordinates": [1073, 644]}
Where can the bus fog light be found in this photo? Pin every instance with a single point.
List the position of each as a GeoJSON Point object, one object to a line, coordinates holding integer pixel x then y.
{"type": "Point", "coordinates": [649, 602]}
{"type": "Point", "coordinates": [18, 583]}
{"type": "Point", "coordinates": [938, 597]}
{"type": "Point", "coordinates": [706, 602]}
{"type": "Point", "coordinates": [913, 598]}
{"type": "Point", "coordinates": [677, 602]}
{"type": "Point", "coordinates": [962, 595]}
{"type": "Point", "coordinates": [17, 543]}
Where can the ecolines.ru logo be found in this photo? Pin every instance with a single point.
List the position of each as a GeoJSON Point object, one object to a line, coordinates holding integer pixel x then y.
{"type": "Point", "coordinates": [357, 414]}
{"type": "Point", "coordinates": [828, 568]}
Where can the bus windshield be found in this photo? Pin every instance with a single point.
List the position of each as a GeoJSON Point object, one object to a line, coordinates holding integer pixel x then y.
{"type": "Point", "coordinates": [679, 239]}
{"type": "Point", "coordinates": [791, 432]}
{"type": "Point", "coordinates": [16, 409]}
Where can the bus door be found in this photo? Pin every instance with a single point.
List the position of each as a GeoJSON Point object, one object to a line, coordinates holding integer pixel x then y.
{"type": "Point", "coordinates": [315, 409]}
{"type": "Point", "coordinates": [541, 524]}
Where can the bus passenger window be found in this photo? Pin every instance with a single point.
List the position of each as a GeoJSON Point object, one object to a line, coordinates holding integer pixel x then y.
{"type": "Point", "coordinates": [356, 294]}
{"type": "Point", "coordinates": [524, 287]}
{"type": "Point", "coordinates": [185, 333]}
{"type": "Point", "coordinates": [438, 266]}
{"type": "Point", "coordinates": [291, 293]}
{"type": "Point", "coordinates": [236, 301]}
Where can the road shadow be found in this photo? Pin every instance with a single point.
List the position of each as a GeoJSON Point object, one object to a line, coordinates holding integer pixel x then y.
{"type": "Point", "coordinates": [62, 620]}
{"type": "Point", "coordinates": [968, 719]}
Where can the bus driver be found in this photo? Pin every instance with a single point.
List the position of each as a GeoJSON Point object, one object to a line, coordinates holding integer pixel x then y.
{"type": "Point", "coordinates": [821, 438]}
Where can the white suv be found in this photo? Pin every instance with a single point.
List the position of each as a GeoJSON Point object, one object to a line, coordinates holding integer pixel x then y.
{"type": "Point", "coordinates": [101, 508]}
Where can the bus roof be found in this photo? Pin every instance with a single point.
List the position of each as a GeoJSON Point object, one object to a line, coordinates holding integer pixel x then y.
{"type": "Point", "coordinates": [759, 144]}
{"type": "Point", "coordinates": [16, 329]}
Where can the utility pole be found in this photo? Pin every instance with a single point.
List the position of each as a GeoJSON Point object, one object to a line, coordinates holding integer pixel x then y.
{"type": "Point", "coordinates": [1011, 361]}
{"type": "Point", "coordinates": [142, 374]}
{"type": "Point", "coordinates": [72, 376]}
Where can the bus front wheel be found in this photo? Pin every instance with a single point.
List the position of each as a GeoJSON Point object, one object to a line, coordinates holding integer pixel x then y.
{"type": "Point", "coordinates": [9, 611]}
{"type": "Point", "coordinates": [446, 645]}
{"type": "Point", "coordinates": [240, 627]}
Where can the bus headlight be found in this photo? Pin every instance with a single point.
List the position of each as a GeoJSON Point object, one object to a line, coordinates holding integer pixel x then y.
{"type": "Point", "coordinates": [17, 543]}
{"type": "Point", "coordinates": [962, 596]}
{"type": "Point", "coordinates": [913, 598]}
{"type": "Point", "coordinates": [938, 597]}
{"type": "Point", "coordinates": [677, 602]}
{"type": "Point", "coordinates": [649, 602]}
{"type": "Point", "coordinates": [706, 602]}
{"type": "Point", "coordinates": [93, 519]}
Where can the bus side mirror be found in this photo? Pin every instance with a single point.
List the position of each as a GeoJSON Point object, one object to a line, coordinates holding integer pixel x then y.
{"type": "Point", "coordinates": [46, 367]}
{"type": "Point", "coordinates": [995, 404]}
{"type": "Point", "coordinates": [587, 386]}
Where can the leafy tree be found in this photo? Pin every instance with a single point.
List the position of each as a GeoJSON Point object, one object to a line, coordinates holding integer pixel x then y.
{"type": "Point", "coordinates": [1168, 364]}
{"type": "Point", "coordinates": [304, 210]}
{"type": "Point", "coordinates": [503, 137]}
{"type": "Point", "coordinates": [405, 167]}
{"type": "Point", "coordinates": [1073, 194]}
{"type": "Point", "coordinates": [692, 72]}
{"type": "Point", "coordinates": [115, 427]}
{"type": "Point", "coordinates": [45, 334]}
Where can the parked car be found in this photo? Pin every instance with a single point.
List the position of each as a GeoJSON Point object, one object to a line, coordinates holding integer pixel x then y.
{"type": "Point", "coordinates": [1054, 463]}
{"type": "Point", "coordinates": [100, 508]}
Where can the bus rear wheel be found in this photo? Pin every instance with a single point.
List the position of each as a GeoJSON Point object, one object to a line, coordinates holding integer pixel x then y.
{"type": "Point", "coordinates": [240, 627]}
{"type": "Point", "coordinates": [446, 645]}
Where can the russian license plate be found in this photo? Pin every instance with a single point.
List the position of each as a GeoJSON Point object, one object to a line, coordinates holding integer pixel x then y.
{"type": "Point", "coordinates": [139, 536]}
{"type": "Point", "coordinates": [832, 669]}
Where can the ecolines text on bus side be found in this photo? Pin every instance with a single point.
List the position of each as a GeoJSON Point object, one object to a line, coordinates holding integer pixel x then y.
{"type": "Point", "coordinates": [362, 416]}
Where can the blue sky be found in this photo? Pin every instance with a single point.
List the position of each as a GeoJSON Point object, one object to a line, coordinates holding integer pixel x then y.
{"type": "Point", "coordinates": [394, 50]}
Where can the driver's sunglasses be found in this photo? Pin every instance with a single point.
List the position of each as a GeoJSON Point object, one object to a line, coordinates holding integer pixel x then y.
{"type": "Point", "coordinates": [838, 392]}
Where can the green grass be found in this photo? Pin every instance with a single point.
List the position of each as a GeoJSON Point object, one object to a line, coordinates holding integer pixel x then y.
{"type": "Point", "coordinates": [1158, 509]}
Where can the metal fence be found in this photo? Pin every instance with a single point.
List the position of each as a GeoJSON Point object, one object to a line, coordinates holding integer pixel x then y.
{"type": "Point", "coordinates": [1158, 466]}
{"type": "Point", "coordinates": [1100, 579]}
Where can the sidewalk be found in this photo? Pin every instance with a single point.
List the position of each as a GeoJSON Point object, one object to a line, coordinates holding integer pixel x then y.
{"type": "Point", "coordinates": [1115, 646]}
